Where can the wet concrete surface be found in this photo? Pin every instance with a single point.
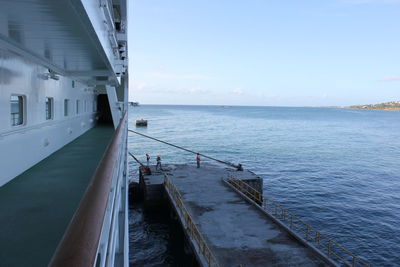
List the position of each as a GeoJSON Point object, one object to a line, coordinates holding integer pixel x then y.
{"type": "Point", "coordinates": [237, 232]}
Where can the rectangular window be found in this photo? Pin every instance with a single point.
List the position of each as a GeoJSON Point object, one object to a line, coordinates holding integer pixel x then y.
{"type": "Point", "coordinates": [66, 107]}
{"type": "Point", "coordinates": [77, 106]}
{"type": "Point", "coordinates": [49, 108]}
{"type": "Point", "coordinates": [17, 109]}
{"type": "Point", "coordinates": [94, 106]}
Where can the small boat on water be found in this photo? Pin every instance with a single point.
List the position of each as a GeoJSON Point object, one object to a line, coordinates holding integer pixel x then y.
{"type": "Point", "coordinates": [141, 122]}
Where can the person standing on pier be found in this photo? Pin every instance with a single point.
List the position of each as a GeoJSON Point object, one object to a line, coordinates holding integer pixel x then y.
{"type": "Point", "coordinates": [158, 163]}
{"type": "Point", "coordinates": [148, 159]}
{"type": "Point", "coordinates": [198, 160]}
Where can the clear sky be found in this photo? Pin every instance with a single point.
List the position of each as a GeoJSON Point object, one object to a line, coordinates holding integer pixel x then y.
{"type": "Point", "coordinates": [271, 52]}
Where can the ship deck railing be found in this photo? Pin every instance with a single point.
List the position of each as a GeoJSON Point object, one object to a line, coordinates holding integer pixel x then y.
{"type": "Point", "coordinates": [93, 237]}
{"type": "Point", "coordinates": [330, 248]}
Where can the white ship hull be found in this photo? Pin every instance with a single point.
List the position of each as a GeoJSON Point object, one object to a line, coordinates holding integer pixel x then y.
{"type": "Point", "coordinates": [63, 69]}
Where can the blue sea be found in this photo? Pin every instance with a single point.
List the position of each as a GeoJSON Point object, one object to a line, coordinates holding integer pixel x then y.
{"type": "Point", "coordinates": [338, 169]}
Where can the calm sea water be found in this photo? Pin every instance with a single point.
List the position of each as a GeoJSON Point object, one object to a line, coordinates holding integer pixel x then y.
{"type": "Point", "coordinates": [337, 168]}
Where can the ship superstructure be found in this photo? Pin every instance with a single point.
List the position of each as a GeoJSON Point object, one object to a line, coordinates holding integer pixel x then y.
{"type": "Point", "coordinates": [63, 105]}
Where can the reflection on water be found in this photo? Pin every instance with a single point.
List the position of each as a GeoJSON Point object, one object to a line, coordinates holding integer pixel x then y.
{"type": "Point", "coordinates": [155, 239]}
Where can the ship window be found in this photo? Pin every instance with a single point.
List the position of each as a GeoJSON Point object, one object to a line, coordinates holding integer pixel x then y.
{"type": "Point", "coordinates": [94, 106]}
{"type": "Point", "coordinates": [17, 109]}
{"type": "Point", "coordinates": [49, 108]}
{"type": "Point", "coordinates": [78, 102]}
{"type": "Point", "coordinates": [66, 107]}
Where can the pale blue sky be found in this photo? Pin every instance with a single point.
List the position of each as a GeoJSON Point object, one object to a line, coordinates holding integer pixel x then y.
{"type": "Point", "coordinates": [253, 52]}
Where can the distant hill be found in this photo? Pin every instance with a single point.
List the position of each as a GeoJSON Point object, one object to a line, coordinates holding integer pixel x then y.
{"type": "Point", "coordinates": [394, 105]}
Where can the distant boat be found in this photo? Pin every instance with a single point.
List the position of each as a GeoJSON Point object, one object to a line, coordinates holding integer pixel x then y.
{"type": "Point", "coordinates": [141, 122]}
{"type": "Point", "coordinates": [135, 104]}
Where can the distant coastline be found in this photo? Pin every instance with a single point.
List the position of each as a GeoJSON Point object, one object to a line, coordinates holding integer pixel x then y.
{"type": "Point", "coordinates": [393, 105]}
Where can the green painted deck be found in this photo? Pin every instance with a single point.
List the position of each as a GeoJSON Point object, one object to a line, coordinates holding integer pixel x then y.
{"type": "Point", "coordinates": [36, 207]}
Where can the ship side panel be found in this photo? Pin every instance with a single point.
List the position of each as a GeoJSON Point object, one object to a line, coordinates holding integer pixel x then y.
{"type": "Point", "coordinates": [24, 145]}
{"type": "Point", "coordinates": [105, 32]}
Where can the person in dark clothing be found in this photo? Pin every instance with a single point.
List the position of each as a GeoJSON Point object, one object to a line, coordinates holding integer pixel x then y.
{"type": "Point", "coordinates": [198, 160]}
{"type": "Point", "coordinates": [148, 159]}
{"type": "Point", "coordinates": [158, 166]}
{"type": "Point", "coordinates": [239, 167]}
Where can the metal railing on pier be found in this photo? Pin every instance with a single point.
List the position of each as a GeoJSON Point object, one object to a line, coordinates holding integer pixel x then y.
{"type": "Point", "coordinates": [191, 228]}
{"type": "Point", "coordinates": [247, 189]}
{"type": "Point", "coordinates": [330, 248]}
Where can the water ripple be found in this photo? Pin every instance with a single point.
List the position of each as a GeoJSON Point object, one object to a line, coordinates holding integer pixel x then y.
{"type": "Point", "coordinates": [337, 168]}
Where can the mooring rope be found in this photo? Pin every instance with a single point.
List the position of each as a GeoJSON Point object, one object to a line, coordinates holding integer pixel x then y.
{"type": "Point", "coordinates": [141, 164]}
{"type": "Point", "coordinates": [239, 166]}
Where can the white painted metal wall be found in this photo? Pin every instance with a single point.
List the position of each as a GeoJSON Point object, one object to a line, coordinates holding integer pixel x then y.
{"type": "Point", "coordinates": [86, 48]}
{"type": "Point", "coordinates": [25, 145]}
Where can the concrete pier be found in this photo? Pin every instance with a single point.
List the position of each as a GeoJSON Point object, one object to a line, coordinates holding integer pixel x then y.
{"type": "Point", "coordinates": [235, 231]}
{"type": "Point", "coordinates": [151, 187]}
